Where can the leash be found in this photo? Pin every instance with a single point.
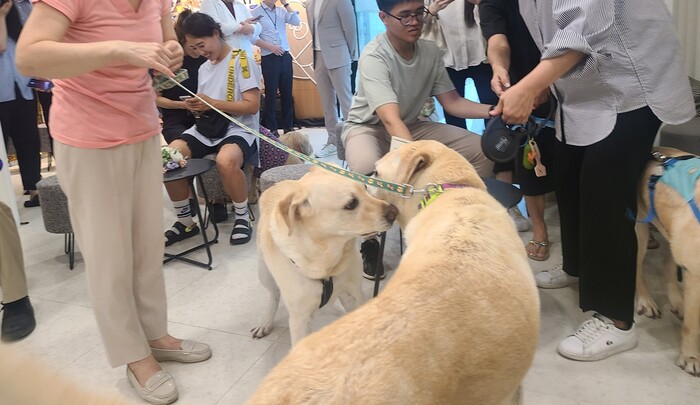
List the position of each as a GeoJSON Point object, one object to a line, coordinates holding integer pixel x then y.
{"type": "Point", "coordinates": [404, 190]}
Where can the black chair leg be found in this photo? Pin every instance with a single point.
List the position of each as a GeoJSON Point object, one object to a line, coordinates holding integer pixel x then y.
{"type": "Point", "coordinates": [380, 262]}
{"type": "Point", "coordinates": [69, 248]}
{"type": "Point", "coordinates": [401, 241]}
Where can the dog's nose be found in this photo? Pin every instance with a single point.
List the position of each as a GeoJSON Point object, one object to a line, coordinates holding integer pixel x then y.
{"type": "Point", "coordinates": [391, 213]}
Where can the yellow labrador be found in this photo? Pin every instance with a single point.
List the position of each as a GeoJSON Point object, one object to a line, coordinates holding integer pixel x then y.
{"type": "Point", "coordinates": [309, 231]}
{"type": "Point", "coordinates": [456, 324]}
{"type": "Point", "coordinates": [675, 220]}
{"type": "Point", "coordinates": [23, 380]}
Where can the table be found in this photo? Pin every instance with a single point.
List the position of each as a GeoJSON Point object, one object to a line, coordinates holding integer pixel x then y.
{"type": "Point", "coordinates": [194, 168]}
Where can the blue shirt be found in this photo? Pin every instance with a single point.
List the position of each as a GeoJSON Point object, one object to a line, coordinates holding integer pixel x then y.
{"type": "Point", "coordinates": [274, 26]}
{"type": "Point", "coordinates": [9, 75]}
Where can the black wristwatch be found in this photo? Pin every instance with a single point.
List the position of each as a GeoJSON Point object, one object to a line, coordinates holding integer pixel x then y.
{"type": "Point", "coordinates": [285, 5]}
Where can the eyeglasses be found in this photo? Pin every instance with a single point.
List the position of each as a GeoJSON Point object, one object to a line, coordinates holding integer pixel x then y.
{"type": "Point", "coordinates": [407, 19]}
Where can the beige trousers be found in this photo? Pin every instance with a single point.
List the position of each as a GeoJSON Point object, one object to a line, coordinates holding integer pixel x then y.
{"type": "Point", "coordinates": [12, 278]}
{"type": "Point", "coordinates": [365, 144]}
{"type": "Point", "coordinates": [116, 209]}
{"type": "Point", "coordinates": [332, 83]}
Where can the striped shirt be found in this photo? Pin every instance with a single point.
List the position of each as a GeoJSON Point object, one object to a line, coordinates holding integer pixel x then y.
{"type": "Point", "coordinates": [632, 59]}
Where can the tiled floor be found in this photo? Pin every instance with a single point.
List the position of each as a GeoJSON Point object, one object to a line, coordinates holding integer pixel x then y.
{"type": "Point", "coordinates": [222, 305]}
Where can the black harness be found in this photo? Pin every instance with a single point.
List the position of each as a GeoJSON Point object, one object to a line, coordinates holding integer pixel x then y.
{"type": "Point", "coordinates": [327, 289]}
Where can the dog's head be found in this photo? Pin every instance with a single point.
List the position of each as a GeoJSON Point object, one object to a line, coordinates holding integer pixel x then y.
{"type": "Point", "coordinates": [420, 163]}
{"type": "Point", "coordinates": [326, 205]}
{"type": "Point", "coordinates": [298, 141]}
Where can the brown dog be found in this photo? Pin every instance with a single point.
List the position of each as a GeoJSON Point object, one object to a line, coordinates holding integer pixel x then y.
{"type": "Point", "coordinates": [457, 323]}
{"type": "Point", "coordinates": [675, 220]}
{"type": "Point", "coordinates": [309, 231]}
{"type": "Point", "coordinates": [23, 380]}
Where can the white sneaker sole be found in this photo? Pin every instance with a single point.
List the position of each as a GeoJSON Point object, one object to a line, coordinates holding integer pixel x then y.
{"type": "Point", "coordinates": [598, 356]}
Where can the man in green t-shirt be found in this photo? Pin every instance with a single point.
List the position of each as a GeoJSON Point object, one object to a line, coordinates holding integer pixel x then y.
{"type": "Point", "coordinates": [398, 71]}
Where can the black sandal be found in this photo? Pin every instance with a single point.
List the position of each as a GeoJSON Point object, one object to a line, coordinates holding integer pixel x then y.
{"type": "Point", "coordinates": [180, 232]}
{"type": "Point", "coordinates": [243, 232]}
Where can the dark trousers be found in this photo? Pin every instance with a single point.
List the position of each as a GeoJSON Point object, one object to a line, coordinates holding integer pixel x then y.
{"type": "Point", "coordinates": [277, 73]}
{"type": "Point", "coordinates": [481, 74]}
{"type": "Point", "coordinates": [596, 186]}
{"type": "Point", "coordinates": [18, 119]}
{"type": "Point", "coordinates": [45, 101]}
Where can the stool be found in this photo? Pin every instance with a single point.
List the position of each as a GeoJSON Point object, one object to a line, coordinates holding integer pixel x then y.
{"type": "Point", "coordinates": [280, 173]}
{"type": "Point", "coordinates": [211, 181]}
{"type": "Point", "coordinates": [685, 137]}
{"type": "Point", "coordinates": [54, 210]}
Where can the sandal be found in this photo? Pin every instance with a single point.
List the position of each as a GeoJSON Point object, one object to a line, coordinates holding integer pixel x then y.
{"type": "Point", "coordinates": [242, 232]}
{"type": "Point", "coordinates": [180, 232]}
{"type": "Point", "coordinates": [538, 245]}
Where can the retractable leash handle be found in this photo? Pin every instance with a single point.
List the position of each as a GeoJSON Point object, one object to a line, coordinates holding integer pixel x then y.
{"type": "Point", "coordinates": [404, 190]}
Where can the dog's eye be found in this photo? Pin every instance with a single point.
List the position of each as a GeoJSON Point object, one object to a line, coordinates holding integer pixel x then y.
{"type": "Point", "coordinates": [352, 204]}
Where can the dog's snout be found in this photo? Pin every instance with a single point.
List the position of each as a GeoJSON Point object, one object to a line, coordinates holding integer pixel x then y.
{"type": "Point", "coordinates": [390, 213]}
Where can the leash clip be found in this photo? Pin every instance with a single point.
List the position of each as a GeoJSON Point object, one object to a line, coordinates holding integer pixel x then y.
{"type": "Point", "coordinates": [407, 191]}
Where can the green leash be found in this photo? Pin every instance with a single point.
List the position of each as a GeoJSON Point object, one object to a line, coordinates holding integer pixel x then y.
{"type": "Point", "coordinates": [405, 190]}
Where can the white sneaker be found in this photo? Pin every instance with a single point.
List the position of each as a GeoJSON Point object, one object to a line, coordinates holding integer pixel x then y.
{"type": "Point", "coordinates": [327, 150]}
{"type": "Point", "coordinates": [597, 339]}
{"type": "Point", "coordinates": [555, 277]}
{"type": "Point", "coordinates": [521, 223]}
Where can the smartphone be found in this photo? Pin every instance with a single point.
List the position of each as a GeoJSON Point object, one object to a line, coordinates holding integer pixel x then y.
{"type": "Point", "coordinates": [257, 18]}
{"type": "Point", "coordinates": [183, 98]}
{"type": "Point", "coordinates": [41, 85]}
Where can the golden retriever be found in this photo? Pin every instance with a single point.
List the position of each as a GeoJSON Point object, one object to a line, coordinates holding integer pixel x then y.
{"type": "Point", "coordinates": [456, 324]}
{"type": "Point", "coordinates": [309, 231]}
{"type": "Point", "coordinates": [677, 223]}
{"type": "Point", "coordinates": [23, 380]}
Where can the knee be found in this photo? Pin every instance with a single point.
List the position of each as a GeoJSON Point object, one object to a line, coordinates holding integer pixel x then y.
{"type": "Point", "coordinates": [360, 163]}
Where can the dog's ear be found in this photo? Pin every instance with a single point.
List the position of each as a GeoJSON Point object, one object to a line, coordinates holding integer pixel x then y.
{"type": "Point", "coordinates": [412, 164]}
{"type": "Point", "coordinates": [292, 208]}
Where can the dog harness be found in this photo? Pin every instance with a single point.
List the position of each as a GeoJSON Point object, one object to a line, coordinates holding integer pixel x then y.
{"type": "Point", "coordinates": [327, 289]}
{"type": "Point", "coordinates": [680, 173]}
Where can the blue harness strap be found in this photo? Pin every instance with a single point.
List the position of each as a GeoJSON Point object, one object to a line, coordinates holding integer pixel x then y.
{"type": "Point", "coordinates": [680, 173]}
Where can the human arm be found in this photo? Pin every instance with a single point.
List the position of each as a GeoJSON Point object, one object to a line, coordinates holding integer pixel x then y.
{"type": "Point", "coordinates": [276, 49]}
{"type": "Point", "coordinates": [164, 102]}
{"type": "Point", "coordinates": [498, 52]}
{"type": "Point", "coordinates": [516, 103]}
{"type": "Point", "coordinates": [349, 25]}
{"type": "Point", "coordinates": [458, 106]}
{"type": "Point", "coordinates": [4, 9]}
{"type": "Point", "coordinates": [249, 105]}
{"type": "Point", "coordinates": [390, 114]}
{"type": "Point", "coordinates": [291, 17]}
{"type": "Point", "coordinates": [41, 54]}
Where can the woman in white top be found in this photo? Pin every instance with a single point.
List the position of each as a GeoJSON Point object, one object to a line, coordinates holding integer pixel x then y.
{"type": "Point", "coordinates": [464, 51]}
{"type": "Point", "coordinates": [236, 22]}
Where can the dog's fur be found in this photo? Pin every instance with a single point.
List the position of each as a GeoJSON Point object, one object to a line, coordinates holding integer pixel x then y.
{"type": "Point", "coordinates": [309, 231]}
{"type": "Point", "coordinates": [296, 140]}
{"type": "Point", "coordinates": [457, 323]}
{"type": "Point", "coordinates": [678, 225]}
{"type": "Point", "coordinates": [23, 380]}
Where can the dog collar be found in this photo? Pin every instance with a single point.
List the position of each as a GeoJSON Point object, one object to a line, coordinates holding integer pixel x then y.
{"type": "Point", "coordinates": [433, 191]}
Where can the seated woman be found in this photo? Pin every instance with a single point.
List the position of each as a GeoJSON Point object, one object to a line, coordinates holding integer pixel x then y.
{"type": "Point", "coordinates": [240, 98]}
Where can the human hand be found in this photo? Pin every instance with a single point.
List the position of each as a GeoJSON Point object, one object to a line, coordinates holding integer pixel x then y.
{"type": "Point", "coordinates": [541, 97]}
{"type": "Point", "coordinates": [500, 81]}
{"type": "Point", "coordinates": [277, 50]}
{"type": "Point", "coordinates": [246, 27]}
{"type": "Point", "coordinates": [515, 104]}
{"type": "Point", "coordinates": [5, 9]}
{"type": "Point", "coordinates": [196, 105]}
{"type": "Point", "coordinates": [177, 52]}
{"type": "Point", "coordinates": [438, 5]}
{"type": "Point", "coordinates": [148, 55]}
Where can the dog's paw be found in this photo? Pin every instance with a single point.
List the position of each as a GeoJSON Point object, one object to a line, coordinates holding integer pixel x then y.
{"type": "Point", "coordinates": [647, 307]}
{"type": "Point", "coordinates": [677, 306]}
{"type": "Point", "coordinates": [690, 364]}
{"type": "Point", "coordinates": [260, 331]}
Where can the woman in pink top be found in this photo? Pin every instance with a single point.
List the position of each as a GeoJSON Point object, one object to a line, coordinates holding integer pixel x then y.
{"type": "Point", "coordinates": [105, 122]}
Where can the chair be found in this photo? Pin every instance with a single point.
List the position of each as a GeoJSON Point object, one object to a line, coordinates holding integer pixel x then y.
{"type": "Point", "coordinates": [280, 173]}
{"type": "Point", "coordinates": [54, 210]}
{"type": "Point", "coordinates": [685, 137]}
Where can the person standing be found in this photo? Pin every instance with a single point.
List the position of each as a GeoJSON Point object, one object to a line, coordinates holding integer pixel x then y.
{"type": "Point", "coordinates": [235, 20]}
{"type": "Point", "coordinates": [334, 41]}
{"type": "Point", "coordinates": [18, 109]}
{"type": "Point", "coordinates": [105, 125]}
{"type": "Point", "coordinates": [17, 312]}
{"type": "Point", "coordinates": [276, 61]}
{"type": "Point", "coordinates": [616, 69]}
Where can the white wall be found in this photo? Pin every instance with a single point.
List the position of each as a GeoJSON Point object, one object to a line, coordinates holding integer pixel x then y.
{"type": "Point", "coordinates": [687, 16]}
